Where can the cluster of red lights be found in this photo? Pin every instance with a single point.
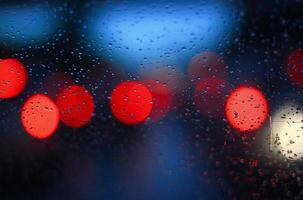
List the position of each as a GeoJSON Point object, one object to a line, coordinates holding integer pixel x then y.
{"type": "Point", "coordinates": [132, 102]}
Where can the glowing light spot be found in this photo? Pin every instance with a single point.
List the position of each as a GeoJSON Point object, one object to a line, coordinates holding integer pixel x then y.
{"type": "Point", "coordinates": [40, 116]}
{"type": "Point", "coordinates": [294, 67]}
{"type": "Point", "coordinates": [204, 65]}
{"type": "Point", "coordinates": [76, 106]}
{"type": "Point", "coordinates": [131, 102]}
{"type": "Point", "coordinates": [13, 78]}
{"type": "Point", "coordinates": [209, 97]}
{"type": "Point", "coordinates": [162, 99]}
{"type": "Point", "coordinates": [246, 108]}
{"type": "Point", "coordinates": [148, 34]}
{"type": "Point", "coordinates": [32, 23]}
{"type": "Point", "coordinates": [287, 131]}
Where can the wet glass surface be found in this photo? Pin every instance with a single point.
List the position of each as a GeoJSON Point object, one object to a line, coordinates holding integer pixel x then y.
{"type": "Point", "coordinates": [151, 100]}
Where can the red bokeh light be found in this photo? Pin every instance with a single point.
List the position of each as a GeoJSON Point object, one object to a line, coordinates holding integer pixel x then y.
{"type": "Point", "coordinates": [294, 67]}
{"type": "Point", "coordinates": [13, 78]}
{"type": "Point", "coordinates": [204, 65]}
{"type": "Point", "coordinates": [253, 163]}
{"type": "Point", "coordinates": [210, 96]}
{"type": "Point", "coordinates": [171, 78]}
{"type": "Point", "coordinates": [162, 99]}
{"type": "Point", "coordinates": [131, 102]}
{"type": "Point", "coordinates": [56, 82]}
{"type": "Point", "coordinates": [246, 108]}
{"type": "Point", "coordinates": [76, 106]}
{"type": "Point", "coordinates": [40, 116]}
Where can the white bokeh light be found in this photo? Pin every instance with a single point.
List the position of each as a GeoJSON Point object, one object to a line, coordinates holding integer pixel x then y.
{"type": "Point", "coordinates": [287, 131]}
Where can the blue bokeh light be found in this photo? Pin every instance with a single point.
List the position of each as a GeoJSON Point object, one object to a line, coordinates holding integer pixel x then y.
{"type": "Point", "coordinates": [151, 35]}
{"type": "Point", "coordinates": [23, 25]}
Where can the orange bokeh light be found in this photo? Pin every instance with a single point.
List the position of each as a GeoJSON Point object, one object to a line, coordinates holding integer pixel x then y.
{"type": "Point", "coordinates": [13, 78]}
{"type": "Point", "coordinates": [131, 102]}
{"type": "Point", "coordinates": [246, 108]}
{"type": "Point", "coordinates": [76, 106]}
{"type": "Point", "coordinates": [40, 116]}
